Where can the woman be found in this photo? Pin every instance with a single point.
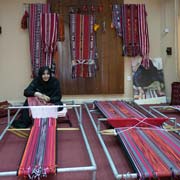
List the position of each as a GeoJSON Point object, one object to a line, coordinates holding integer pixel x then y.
{"type": "Point", "coordinates": [46, 88]}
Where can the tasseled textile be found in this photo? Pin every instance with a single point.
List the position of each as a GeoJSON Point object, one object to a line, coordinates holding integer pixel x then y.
{"type": "Point", "coordinates": [48, 36]}
{"type": "Point", "coordinates": [39, 158]}
{"type": "Point", "coordinates": [83, 46]}
{"type": "Point", "coordinates": [130, 22]}
{"type": "Point", "coordinates": [42, 34]}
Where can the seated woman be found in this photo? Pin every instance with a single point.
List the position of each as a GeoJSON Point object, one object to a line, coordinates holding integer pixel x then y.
{"type": "Point", "coordinates": [46, 88]}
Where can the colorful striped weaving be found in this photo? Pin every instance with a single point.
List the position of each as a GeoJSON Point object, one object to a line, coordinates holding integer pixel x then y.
{"type": "Point", "coordinates": [39, 156]}
{"type": "Point", "coordinates": [130, 22]}
{"type": "Point", "coordinates": [83, 47]}
{"type": "Point", "coordinates": [49, 27]}
{"type": "Point", "coordinates": [154, 152]}
{"type": "Point", "coordinates": [36, 49]}
{"type": "Point", "coordinates": [121, 114]}
{"type": "Point", "coordinates": [143, 35]}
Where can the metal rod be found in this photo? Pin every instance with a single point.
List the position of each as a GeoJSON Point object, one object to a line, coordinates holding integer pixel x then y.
{"type": "Point", "coordinates": [58, 129]}
{"type": "Point", "coordinates": [80, 114]}
{"type": "Point", "coordinates": [98, 126]}
{"type": "Point", "coordinates": [9, 124]}
{"type": "Point", "coordinates": [94, 175]}
{"type": "Point", "coordinates": [127, 176]}
{"type": "Point", "coordinates": [85, 139]}
{"type": "Point", "coordinates": [115, 172]}
{"type": "Point", "coordinates": [90, 154]}
{"type": "Point", "coordinates": [175, 122]}
{"type": "Point", "coordinates": [44, 106]}
{"type": "Point", "coordinates": [172, 119]}
{"type": "Point", "coordinates": [153, 108]}
{"type": "Point", "coordinates": [76, 169]}
{"type": "Point", "coordinates": [88, 146]}
{"type": "Point", "coordinates": [102, 119]}
{"type": "Point", "coordinates": [146, 110]}
{"type": "Point", "coordinates": [69, 169]}
{"type": "Point", "coordinates": [8, 115]}
{"type": "Point", "coordinates": [112, 165]}
{"type": "Point", "coordinates": [8, 173]}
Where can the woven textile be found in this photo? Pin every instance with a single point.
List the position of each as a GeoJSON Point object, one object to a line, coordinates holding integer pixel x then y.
{"type": "Point", "coordinates": [125, 20]}
{"type": "Point", "coordinates": [121, 114]}
{"type": "Point", "coordinates": [155, 153]}
{"type": "Point", "coordinates": [40, 110]}
{"type": "Point", "coordinates": [49, 26]}
{"type": "Point", "coordinates": [130, 22]}
{"type": "Point", "coordinates": [36, 48]}
{"type": "Point", "coordinates": [39, 156]}
{"type": "Point", "coordinates": [143, 35]}
{"type": "Point", "coordinates": [117, 18]}
{"type": "Point", "coordinates": [82, 45]}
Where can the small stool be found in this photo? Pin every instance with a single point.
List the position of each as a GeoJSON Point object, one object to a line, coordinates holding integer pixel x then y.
{"type": "Point", "coordinates": [63, 116]}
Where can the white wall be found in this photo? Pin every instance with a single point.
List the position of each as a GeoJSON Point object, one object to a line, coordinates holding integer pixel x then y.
{"type": "Point", "coordinates": [15, 68]}
{"type": "Point", "coordinates": [14, 50]}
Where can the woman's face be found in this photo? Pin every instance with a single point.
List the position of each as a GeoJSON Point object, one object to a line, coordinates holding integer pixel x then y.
{"type": "Point", "coordinates": [45, 76]}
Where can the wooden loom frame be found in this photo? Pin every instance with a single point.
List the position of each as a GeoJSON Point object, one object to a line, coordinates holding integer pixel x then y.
{"type": "Point", "coordinates": [92, 167]}
{"type": "Point", "coordinates": [99, 134]}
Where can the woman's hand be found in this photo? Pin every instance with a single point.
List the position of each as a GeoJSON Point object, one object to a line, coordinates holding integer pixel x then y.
{"type": "Point", "coordinates": [46, 98]}
{"type": "Point", "coordinates": [42, 97]}
{"type": "Point", "coordinates": [38, 95]}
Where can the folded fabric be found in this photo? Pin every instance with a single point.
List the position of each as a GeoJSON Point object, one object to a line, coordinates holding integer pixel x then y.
{"type": "Point", "coordinates": [3, 109]}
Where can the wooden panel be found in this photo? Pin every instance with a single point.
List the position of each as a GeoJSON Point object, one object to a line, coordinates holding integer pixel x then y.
{"type": "Point", "coordinates": [110, 75]}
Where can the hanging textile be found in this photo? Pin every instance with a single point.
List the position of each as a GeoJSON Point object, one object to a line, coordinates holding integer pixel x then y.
{"type": "Point", "coordinates": [36, 50]}
{"type": "Point", "coordinates": [143, 35]}
{"type": "Point", "coordinates": [130, 23]}
{"type": "Point", "coordinates": [117, 19]}
{"type": "Point", "coordinates": [125, 20]}
{"type": "Point", "coordinates": [24, 23]}
{"type": "Point", "coordinates": [48, 24]}
{"type": "Point", "coordinates": [82, 45]}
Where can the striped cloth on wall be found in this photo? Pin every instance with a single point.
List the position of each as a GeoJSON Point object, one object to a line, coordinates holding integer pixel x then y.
{"type": "Point", "coordinates": [49, 27]}
{"type": "Point", "coordinates": [130, 22]}
{"type": "Point", "coordinates": [36, 49]}
{"type": "Point", "coordinates": [83, 47]}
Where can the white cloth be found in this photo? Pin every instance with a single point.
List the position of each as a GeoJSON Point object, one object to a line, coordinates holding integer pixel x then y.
{"type": "Point", "coordinates": [63, 112]}
{"type": "Point", "coordinates": [44, 112]}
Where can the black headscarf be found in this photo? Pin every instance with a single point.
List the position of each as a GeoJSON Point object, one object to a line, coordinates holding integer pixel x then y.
{"type": "Point", "coordinates": [41, 72]}
{"type": "Point", "coordinates": [50, 88]}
